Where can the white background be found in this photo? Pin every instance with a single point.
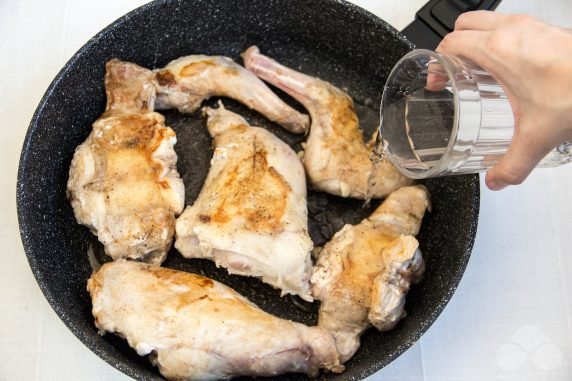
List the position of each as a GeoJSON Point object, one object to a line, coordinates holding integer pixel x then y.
{"type": "Point", "coordinates": [511, 318]}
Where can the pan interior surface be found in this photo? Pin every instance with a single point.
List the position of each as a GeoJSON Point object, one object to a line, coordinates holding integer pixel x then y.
{"type": "Point", "coordinates": [332, 40]}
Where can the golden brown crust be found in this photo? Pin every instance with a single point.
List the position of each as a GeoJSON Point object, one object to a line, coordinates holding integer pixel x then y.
{"type": "Point", "coordinates": [199, 68]}
{"type": "Point", "coordinates": [362, 264]}
{"type": "Point", "coordinates": [362, 258]}
{"type": "Point", "coordinates": [123, 181]}
{"type": "Point", "coordinates": [262, 210]}
{"type": "Point", "coordinates": [165, 78]}
{"type": "Point", "coordinates": [135, 136]}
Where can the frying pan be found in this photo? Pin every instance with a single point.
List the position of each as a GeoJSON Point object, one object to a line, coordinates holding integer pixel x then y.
{"type": "Point", "coordinates": [333, 40]}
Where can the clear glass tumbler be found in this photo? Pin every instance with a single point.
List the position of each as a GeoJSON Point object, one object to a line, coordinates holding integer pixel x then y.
{"type": "Point", "coordinates": [441, 116]}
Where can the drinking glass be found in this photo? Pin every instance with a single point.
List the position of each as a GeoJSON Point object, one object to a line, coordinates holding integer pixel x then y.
{"type": "Point", "coordinates": [441, 115]}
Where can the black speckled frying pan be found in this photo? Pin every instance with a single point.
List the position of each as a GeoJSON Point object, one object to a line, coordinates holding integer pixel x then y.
{"type": "Point", "coordinates": [333, 40]}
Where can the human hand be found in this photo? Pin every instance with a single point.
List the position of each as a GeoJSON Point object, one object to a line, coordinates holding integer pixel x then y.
{"type": "Point", "coordinates": [532, 61]}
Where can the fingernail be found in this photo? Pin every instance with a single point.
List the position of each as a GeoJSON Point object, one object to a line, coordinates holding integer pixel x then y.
{"type": "Point", "coordinates": [496, 186]}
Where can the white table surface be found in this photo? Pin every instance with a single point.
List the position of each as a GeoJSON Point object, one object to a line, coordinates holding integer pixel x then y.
{"type": "Point", "coordinates": [511, 318]}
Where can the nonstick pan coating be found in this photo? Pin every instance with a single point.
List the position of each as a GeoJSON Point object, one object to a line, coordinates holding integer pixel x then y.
{"type": "Point", "coordinates": [333, 40]}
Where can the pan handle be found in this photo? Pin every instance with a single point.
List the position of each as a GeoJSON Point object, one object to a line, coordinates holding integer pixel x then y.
{"type": "Point", "coordinates": [437, 18]}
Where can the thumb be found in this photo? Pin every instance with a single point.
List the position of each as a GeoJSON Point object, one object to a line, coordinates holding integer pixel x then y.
{"type": "Point", "coordinates": [523, 154]}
